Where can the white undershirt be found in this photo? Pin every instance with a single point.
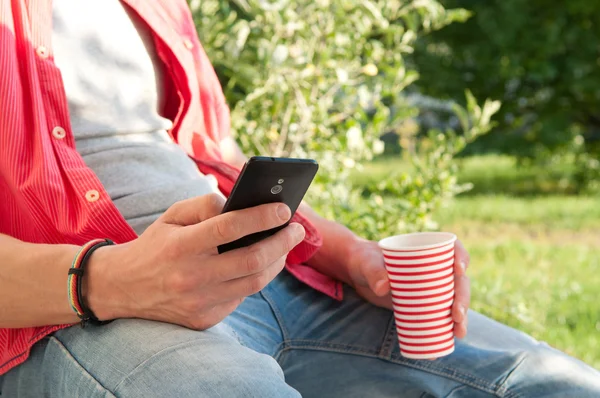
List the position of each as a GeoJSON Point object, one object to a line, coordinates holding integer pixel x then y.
{"type": "Point", "coordinates": [112, 80]}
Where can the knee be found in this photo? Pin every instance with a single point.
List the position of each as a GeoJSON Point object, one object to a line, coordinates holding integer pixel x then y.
{"type": "Point", "coordinates": [145, 358]}
{"type": "Point", "coordinates": [219, 367]}
{"type": "Point", "coordinates": [544, 371]}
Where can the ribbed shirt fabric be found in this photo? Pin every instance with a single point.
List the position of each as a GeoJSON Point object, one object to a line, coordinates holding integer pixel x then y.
{"type": "Point", "coordinates": [47, 192]}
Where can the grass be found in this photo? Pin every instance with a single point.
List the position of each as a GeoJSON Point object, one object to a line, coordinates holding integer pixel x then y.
{"type": "Point", "coordinates": [535, 251]}
{"type": "Point", "coordinates": [535, 266]}
{"type": "Point", "coordinates": [490, 175]}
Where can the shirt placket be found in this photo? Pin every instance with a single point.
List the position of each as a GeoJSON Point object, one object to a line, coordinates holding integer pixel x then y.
{"type": "Point", "coordinates": [176, 54]}
{"type": "Point", "coordinates": [57, 125]}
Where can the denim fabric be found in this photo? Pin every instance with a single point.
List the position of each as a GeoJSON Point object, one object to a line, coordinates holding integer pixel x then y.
{"type": "Point", "coordinates": [287, 341]}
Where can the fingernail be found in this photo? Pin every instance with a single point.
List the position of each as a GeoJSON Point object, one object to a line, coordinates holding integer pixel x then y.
{"type": "Point", "coordinates": [463, 266]}
{"type": "Point", "coordinates": [297, 230]}
{"type": "Point", "coordinates": [379, 286]}
{"type": "Point", "coordinates": [283, 212]}
{"type": "Point", "coordinates": [462, 311]}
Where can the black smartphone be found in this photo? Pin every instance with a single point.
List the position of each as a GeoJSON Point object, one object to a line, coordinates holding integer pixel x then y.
{"type": "Point", "coordinates": [269, 180]}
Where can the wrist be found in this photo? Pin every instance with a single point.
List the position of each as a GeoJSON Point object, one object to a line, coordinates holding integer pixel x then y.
{"type": "Point", "coordinates": [334, 257]}
{"type": "Point", "coordinates": [99, 286]}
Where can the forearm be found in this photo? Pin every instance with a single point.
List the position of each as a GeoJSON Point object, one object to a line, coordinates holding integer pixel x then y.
{"type": "Point", "coordinates": [337, 241]}
{"type": "Point", "coordinates": [33, 283]}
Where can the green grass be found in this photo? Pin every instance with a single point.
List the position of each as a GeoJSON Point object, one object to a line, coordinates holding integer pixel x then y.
{"type": "Point", "coordinates": [535, 252]}
{"type": "Point", "coordinates": [535, 266]}
{"type": "Point", "coordinates": [490, 174]}
{"type": "Point", "coordinates": [544, 213]}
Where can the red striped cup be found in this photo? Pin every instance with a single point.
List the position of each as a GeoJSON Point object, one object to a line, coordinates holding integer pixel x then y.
{"type": "Point", "coordinates": [421, 271]}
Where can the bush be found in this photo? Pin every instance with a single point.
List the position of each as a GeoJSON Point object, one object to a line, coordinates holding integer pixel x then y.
{"type": "Point", "coordinates": [541, 59]}
{"type": "Point", "coordinates": [324, 79]}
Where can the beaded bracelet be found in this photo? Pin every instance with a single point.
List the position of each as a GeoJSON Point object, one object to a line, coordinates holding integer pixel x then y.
{"type": "Point", "coordinates": [74, 282]}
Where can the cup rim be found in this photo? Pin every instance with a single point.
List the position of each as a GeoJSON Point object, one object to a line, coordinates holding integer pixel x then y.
{"type": "Point", "coordinates": [418, 254]}
{"type": "Point", "coordinates": [426, 262]}
{"type": "Point", "coordinates": [443, 239]}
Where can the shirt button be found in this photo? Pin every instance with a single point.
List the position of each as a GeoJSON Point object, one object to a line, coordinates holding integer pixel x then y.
{"type": "Point", "coordinates": [59, 133]}
{"type": "Point", "coordinates": [42, 52]}
{"type": "Point", "coordinates": [188, 44]}
{"type": "Point", "coordinates": [92, 195]}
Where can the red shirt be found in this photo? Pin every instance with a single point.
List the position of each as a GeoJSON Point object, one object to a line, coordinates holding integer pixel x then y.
{"type": "Point", "coordinates": [47, 193]}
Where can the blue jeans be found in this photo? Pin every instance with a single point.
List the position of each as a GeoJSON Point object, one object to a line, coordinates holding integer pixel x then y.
{"type": "Point", "coordinates": [289, 341]}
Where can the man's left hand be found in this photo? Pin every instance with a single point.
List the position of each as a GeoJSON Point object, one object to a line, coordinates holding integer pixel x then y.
{"type": "Point", "coordinates": [369, 277]}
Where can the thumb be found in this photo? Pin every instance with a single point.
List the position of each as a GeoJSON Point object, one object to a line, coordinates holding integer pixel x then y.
{"type": "Point", "coordinates": [194, 210]}
{"type": "Point", "coordinates": [375, 276]}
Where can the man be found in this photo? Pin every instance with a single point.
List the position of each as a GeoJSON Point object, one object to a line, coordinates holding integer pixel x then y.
{"type": "Point", "coordinates": [113, 125]}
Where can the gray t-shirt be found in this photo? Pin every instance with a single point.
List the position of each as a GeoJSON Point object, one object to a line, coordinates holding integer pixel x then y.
{"type": "Point", "coordinates": [112, 79]}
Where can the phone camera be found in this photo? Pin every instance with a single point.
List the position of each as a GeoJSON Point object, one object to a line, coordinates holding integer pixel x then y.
{"type": "Point", "coordinates": [280, 181]}
{"type": "Point", "coordinates": [276, 189]}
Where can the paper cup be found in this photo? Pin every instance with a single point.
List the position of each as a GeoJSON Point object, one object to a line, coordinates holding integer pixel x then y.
{"type": "Point", "coordinates": [422, 317]}
{"type": "Point", "coordinates": [444, 336]}
{"type": "Point", "coordinates": [425, 283]}
{"type": "Point", "coordinates": [417, 333]}
{"type": "Point", "coordinates": [420, 293]}
{"type": "Point", "coordinates": [428, 300]}
{"type": "Point", "coordinates": [418, 276]}
{"type": "Point", "coordinates": [420, 268]}
{"type": "Point", "coordinates": [409, 325]}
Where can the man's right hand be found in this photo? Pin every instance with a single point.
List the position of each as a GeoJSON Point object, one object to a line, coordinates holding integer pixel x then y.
{"type": "Point", "coordinates": [173, 272]}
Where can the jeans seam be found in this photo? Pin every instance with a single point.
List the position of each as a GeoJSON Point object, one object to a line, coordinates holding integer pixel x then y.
{"type": "Point", "coordinates": [464, 386]}
{"type": "Point", "coordinates": [237, 337]}
{"type": "Point", "coordinates": [278, 315]}
{"type": "Point", "coordinates": [439, 370]}
{"type": "Point", "coordinates": [145, 361]}
{"type": "Point", "coordinates": [387, 345]}
{"type": "Point", "coordinates": [279, 351]}
{"type": "Point", "coordinates": [317, 344]}
{"type": "Point", "coordinates": [86, 372]}
{"type": "Point", "coordinates": [455, 389]}
{"type": "Point", "coordinates": [510, 394]}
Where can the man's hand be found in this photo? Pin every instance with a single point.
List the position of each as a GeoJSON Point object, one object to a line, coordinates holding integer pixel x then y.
{"type": "Point", "coordinates": [369, 277]}
{"type": "Point", "coordinates": [173, 272]}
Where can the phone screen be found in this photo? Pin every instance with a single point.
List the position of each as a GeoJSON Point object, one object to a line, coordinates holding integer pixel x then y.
{"type": "Point", "coordinates": [269, 180]}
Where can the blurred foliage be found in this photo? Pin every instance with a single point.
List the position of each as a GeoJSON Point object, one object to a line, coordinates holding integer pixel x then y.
{"type": "Point", "coordinates": [324, 79]}
{"type": "Point", "coordinates": [541, 60]}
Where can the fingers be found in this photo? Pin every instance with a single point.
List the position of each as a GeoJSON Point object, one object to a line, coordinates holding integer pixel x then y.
{"type": "Point", "coordinates": [251, 284]}
{"type": "Point", "coordinates": [248, 270]}
{"type": "Point", "coordinates": [374, 273]}
{"type": "Point", "coordinates": [194, 210]}
{"type": "Point", "coordinates": [461, 259]}
{"type": "Point", "coordinates": [462, 288]}
{"type": "Point", "coordinates": [233, 225]}
{"type": "Point", "coordinates": [255, 259]}
{"type": "Point", "coordinates": [460, 329]}
{"type": "Point", "coordinates": [462, 299]}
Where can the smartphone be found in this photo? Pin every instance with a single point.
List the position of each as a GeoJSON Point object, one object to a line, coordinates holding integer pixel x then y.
{"type": "Point", "coordinates": [269, 180]}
